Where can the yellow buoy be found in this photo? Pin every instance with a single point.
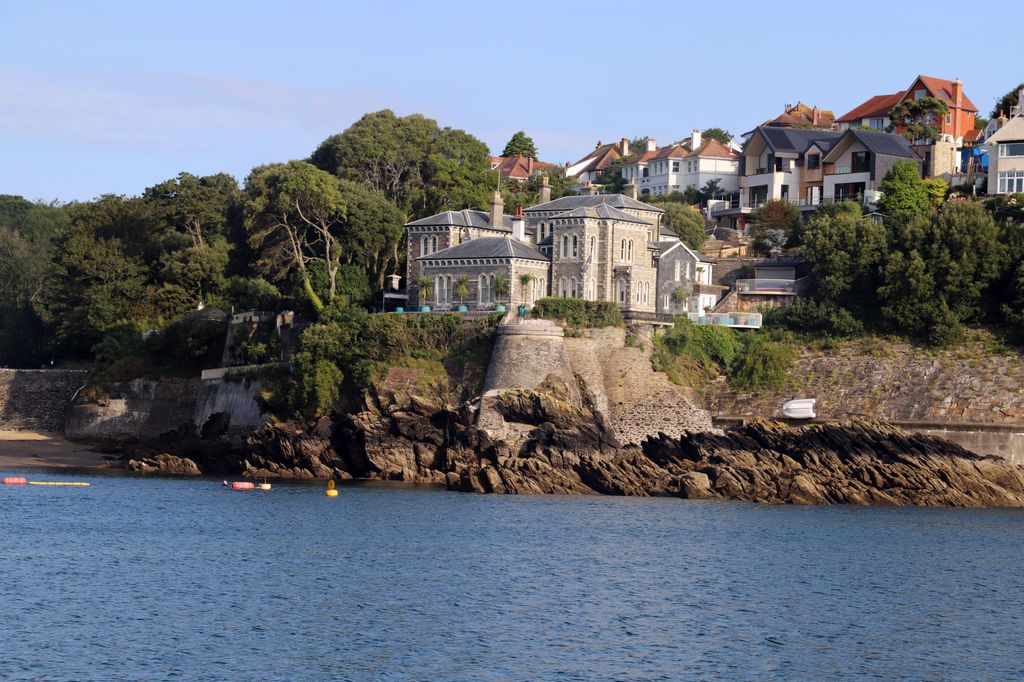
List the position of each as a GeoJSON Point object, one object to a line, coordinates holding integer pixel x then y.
{"type": "Point", "coordinates": [331, 492]}
{"type": "Point", "coordinates": [77, 483]}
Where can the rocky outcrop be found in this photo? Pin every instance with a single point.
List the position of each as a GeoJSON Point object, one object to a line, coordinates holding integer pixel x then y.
{"type": "Point", "coordinates": [163, 463]}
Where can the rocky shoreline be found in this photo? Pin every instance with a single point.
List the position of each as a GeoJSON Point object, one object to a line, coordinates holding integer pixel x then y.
{"type": "Point", "coordinates": [556, 447]}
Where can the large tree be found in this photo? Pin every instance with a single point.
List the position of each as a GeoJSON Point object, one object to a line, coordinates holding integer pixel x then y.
{"type": "Point", "coordinates": [521, 144]}
{"type": "Point", "coordinates": [720, 134]}
{"type": "Point", "coordinates": [918, 119]}
{"type": "Point", "coordinates": [685, 222]}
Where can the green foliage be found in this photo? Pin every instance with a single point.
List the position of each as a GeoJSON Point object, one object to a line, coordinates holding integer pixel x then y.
{"type": "Point", "coordinates": [720, 134]}
{"type": "Point", "coordinates": [918, 117]}
{"type": "Point", "coordinates": [461, 289]}
{"type": "Point", "coordinates": [578, 313]}
{"type": "Point", "coordinates": [685, 222]}
{"type": "Point", "coordinates": [903, 192]}
{"type": "Point", "coordinates": [937, 190]}
{"type": "Point", "coordinates": [521, 144]}
{"type": "Point", "coordinates": [817, 319]}
{"type": "Point", "coordinates": [773, 225]}
{"type": "Point", "coordinates": [691, 354]}
{"type": "Point", "coordinates": [1004, 103]}
{"type": "Point", "coordinates": [251, 293]}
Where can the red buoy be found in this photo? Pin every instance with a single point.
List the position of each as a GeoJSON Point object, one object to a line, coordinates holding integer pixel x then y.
{"type": "Point", "coordinates": [15, 480]}
{"type": "Point", "coordinates": [243, 485]}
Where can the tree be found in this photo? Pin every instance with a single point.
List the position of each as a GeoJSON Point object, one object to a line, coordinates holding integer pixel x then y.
{"type": "Point", "coordinates": [196, 206]}
{"type": "Point", "coordinates": [424, 287]}
{"type": "Point", "coordinates": [937, 190]}
{"type": "Point", "coordinates": [526, 279]}
{"type": "Point", "coordinates": [292, 212]}
{"type": "Point", "coordinates": [915, 119]}
{"type": "Point", "coordinates": [903, 192]}
{"type": "Point", "coordinates": [720, 134]}
{"type": "Point", "coordinates": [520, 145]}
{"type": "Point", "coordinates": [773, 224]}
{"type": "Point", "coordinates": [909, 304]}
{"type": "Point", "coordinates": [1003, 104]}
{"type": "Point", "coordinates": [461, 288]}
{"type": "Point", "coordinates": [711, 190]}
{"type": "Point", "coordinates": [687, 223]}
{"type": "Point", "coordinates": [500, 286]}
{"type": "Point", "coordinates": [456, 173]}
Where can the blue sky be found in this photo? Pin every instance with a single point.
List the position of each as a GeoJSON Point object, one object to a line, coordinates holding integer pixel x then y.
{"type": "Point", "coordinates": [102, 97]}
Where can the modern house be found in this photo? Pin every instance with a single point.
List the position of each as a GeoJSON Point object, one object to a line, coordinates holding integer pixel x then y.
{"type": "Point", "coordinates": [691, 163]}
{"type": "Point", "coordinates": [1006, 154]}
{"type": "Point", "coordinates": [810, 167]}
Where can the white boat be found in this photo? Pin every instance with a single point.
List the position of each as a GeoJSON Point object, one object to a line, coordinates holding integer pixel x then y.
{"type": "Point", "coordinates": [799, 409]}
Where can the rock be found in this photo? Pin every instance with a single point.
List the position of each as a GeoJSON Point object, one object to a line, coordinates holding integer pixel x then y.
{"type": "Point", "coordinates": [695, 485]}
{"type": "Point", "coordinates": [164, 463]}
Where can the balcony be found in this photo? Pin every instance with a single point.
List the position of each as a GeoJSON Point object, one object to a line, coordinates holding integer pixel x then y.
{"type": "Point", "coordinates": [770, 287]}
{"type": "Point", "coordinates": [735, 320]}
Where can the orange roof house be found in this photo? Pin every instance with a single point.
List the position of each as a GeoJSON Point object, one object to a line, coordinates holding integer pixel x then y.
{"type": "Point", "coordinates": [518, 167]}
{"type": "Point", "coordinates": [957, 125]}
{"type": "Point", "coordinates": [800, 115]}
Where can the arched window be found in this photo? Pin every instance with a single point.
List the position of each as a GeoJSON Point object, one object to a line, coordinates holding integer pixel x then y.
{"type": "Point", "coordinates": [542, 290]}
{"type": "Point", "coordinates": [483, 290]}
{"type": "Point", "coordinates": [629, 251]}
{"type": "Point", "coordinates": [561, 287]}
{"type": "Point", "coordinates": [565, 246]}
{"type": "Point", "coordinates": [647, 292]}
{"type": "Point", "coordinates": [621, 291]}
{"type": "Point", "coordinates": [593, 248]}
{"type": "Point", "coordinates": [438, 290]}
{"type": "Point", "coordinates": [433, 244]}
{"type": "Point", "coordinates": [573, 291]}
{"type": "Point", "coordinates": [622, 250]}
{"type": "Point", "coordinates": [591, 290]}
{"type": "Point", "coordinates": [575, 247]}
{"type": "Point", "coordinates": [543, 232]}
{"type": "Point", "coordinates": [676, 278]}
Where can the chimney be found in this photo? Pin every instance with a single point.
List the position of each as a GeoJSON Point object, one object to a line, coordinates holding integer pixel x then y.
{"type": "Point", "coordinates": [588, 189]}
{"type": "Point", "coordinates": [624, 143]}
{"type": "Point", "coordinates": [695, 141]}
{"type": "Point", "coordinates": [631, 190]}
{"type": "Point", "coordinates": [497, 210]}
{"type": "Point", "coordinates": [544, 194]}
{"type": "Point", "coordinates": [519, 225]}
{"type": "Point", "coordinates": [958, 93]}
{"type": "Point", "coordinates": [1019, 109]}
{"type": "Point", "coordinates": [652, 144]}
{"type": "Point", "coordinates": [814, 116]}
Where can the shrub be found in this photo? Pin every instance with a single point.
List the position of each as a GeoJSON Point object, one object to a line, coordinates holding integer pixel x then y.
{"type": "Point", "coordinates": [762, 364]}
{"type": "Point", "coordinates": [820, 319]}
{"type": "Point", "coordinates": [575, 312]}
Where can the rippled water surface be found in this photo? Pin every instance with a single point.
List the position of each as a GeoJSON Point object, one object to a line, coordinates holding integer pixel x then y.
{"type": "Point", "coordinates": [172, 579]}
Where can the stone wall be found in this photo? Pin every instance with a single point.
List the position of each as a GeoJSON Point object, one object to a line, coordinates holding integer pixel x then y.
{"type": "Point", "coordinates": [235, 398]}
{"type": "Point", "coordinates": [141, 408]}
{"type": "Point", "coordinates": [36, 399]}
{"type": "Point", "coordinates": [894, 382]}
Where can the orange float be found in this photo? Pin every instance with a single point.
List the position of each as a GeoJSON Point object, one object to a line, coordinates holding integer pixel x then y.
{"type": "Point", "coordinates": [243, 485]}
{"type": "Point", "coordinates": [15, 480]}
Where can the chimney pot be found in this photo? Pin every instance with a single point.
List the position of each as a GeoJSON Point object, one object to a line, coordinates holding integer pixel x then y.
{"type": "Point", "coordinates": [695, 140]}
{"type": "Point", "coordinates": [519, 225]}
{"type": "Point", "coordinates": [652, 144]}
{"type": "Point", "coordinates": [544, 195]}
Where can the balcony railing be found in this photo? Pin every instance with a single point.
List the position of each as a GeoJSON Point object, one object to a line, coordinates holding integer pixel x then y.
{"type": "Point", "coordinates": [768, 287]}
{"type": "Point", "coordinates": [739, 320]}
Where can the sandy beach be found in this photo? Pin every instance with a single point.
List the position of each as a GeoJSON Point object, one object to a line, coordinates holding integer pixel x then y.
{"type": "Point", "coordinates": [33, 449]}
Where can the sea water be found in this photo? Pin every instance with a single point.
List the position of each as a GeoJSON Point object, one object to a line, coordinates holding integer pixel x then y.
{"type": "Point", "coordinates": [154, 579]}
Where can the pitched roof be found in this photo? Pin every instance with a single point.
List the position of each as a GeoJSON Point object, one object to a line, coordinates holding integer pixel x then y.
{"type": "Point", "coordinates": [1012, 131]}
{"type": "Point", "coordinates": [464, 218]}
{"type": "Point", "coordinates": [973, 135]}
{"type": "Point", "coordinates": [709, 148]}
{"type": "Point", "coordinates": [943, 89]}
{"type": "Point", "coordinates": [487, 247]}
{"type": "Point", "coordinates": [882, 143]}
{"type": "Point", "coordinates": [800, 114]}
{"type": "Point", "coordinates": [518, 167]}
{"type": "Point", "coordinates": [879, 105]}
{"type": "Point", "coordinates": [714, 149]}
{"type": "Point", "coordinates": [620, 201]}
{"type": "Point", "coordinates": [602, 212]}
{"type": "Point", "coordinates": [600, 158]}
{"type": "Point", "coordinates": [796, 140]}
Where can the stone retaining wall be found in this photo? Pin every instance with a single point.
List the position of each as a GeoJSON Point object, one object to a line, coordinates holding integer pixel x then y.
{"type": "Point", "coordinates": [36, 399]}
{"type": "Point", "coordinates": [140, 408]}
{"type": "Point", "coordinates": [894, 382]}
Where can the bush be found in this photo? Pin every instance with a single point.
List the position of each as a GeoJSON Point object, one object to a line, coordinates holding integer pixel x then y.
{"type": "Point", "coordinates": [820, 319]}
{"type": "Point", "coordinates": [762, 364]}
{"type": "Point", "coordinates": [575, 312]}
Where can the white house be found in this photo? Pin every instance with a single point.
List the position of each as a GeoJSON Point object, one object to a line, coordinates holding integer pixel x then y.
{"type": "Point", "coordinates": [1006, 154]}
{"type": "Point", "coordinates": [691, 163]}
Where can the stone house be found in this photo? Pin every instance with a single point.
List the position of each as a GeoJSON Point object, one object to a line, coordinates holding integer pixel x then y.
{"type": "Point", "coordinates": [684, 280]}
{"type": "Point", "coordinates": [604, 247]}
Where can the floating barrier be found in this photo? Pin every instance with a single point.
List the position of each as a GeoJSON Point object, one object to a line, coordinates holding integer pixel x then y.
{"type": "Point", "coordinates": [243, 485]}
{"type": "Point", "coordinates": [331, 492]}
{"type": "Point", "coordinates": [14, 480]}
{"type": "Point", "coordinates": [79, 484]}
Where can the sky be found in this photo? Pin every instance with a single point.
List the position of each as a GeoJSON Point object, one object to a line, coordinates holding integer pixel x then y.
{"type": "Point", "coordinates": [113, 97]}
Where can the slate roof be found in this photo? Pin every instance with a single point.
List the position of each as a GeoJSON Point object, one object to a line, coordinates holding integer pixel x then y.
{"type": "Point", "coordinates": [464, 218]}
{"type": "Point", "coordinates": [796, 140]}
{"type": "Point", "coordinates": [603, 212]}
{"type": "Point", "coordinates": [487, 247]}
{"type": "Point", "coordinates": [883, 143]}
{"type": "Point", "coordinates": [620, 201]}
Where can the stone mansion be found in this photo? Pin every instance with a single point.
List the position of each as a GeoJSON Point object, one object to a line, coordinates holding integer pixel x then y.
{"type": "Point", "coordinates": [597, 247]}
